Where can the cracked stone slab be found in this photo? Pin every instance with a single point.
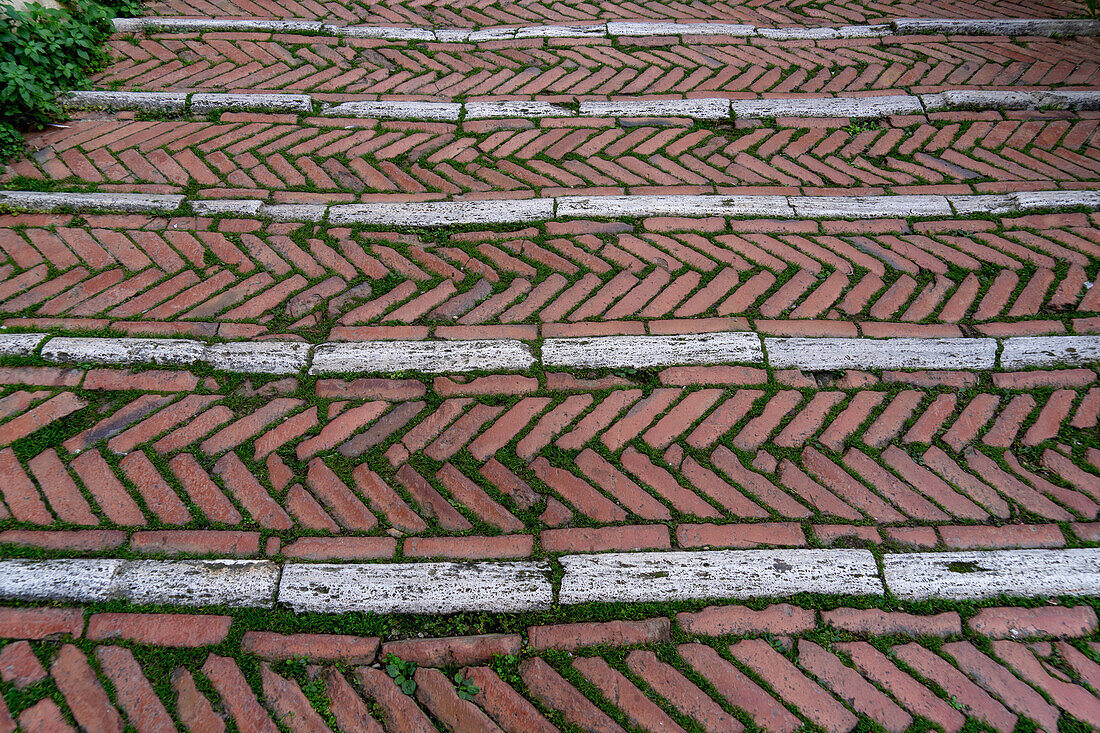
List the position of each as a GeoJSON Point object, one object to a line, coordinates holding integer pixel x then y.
{"type": "Point", "coordinates": [1025, 351]}
{"type": "Point", "coordinates": [562, 31]}
{"type": "Point", "coordinates": [20, 344]}
{"type": "Point", "coordinates": [622, 28]}
{"type": "Point", "coordinates": [493, 110]}
{"type": "Point", "coordinates": [674, 205]}
{"type": "Point", "coordinates": [234, 583]}
{"type": "Point", "coordinates": [437, 357]}
{"type": "Point", "coordinates": [818, 354]}
{"type": "Point", "coordinates": [978, 99]}
{"type": "Point", "coordinates": [650, 351]}
{"type": "Point", "coordinates": [204, 103]}
{"type": "Point", "coordinates": [632, 577]}
{"type": "Point", "coordinates": [164, 101]}
{"type": "Point", "coordinates": [386, 34]}
{"type": "Point", "coordinates": [869, 207]}
{"type": "Point", "coordinates": [164, 352]}
{"type": "Point", "coordinates": [443, 213]}
{"type": "Point", "coordinates": [998, 26]}
{"type": "Point", "coordinates": [201, 25]}
{"type": "Point", "coordinates": [822, 33]}
{"type": "Point", "coordinates": [436, 111]}
{"type": "Point", "coordinates": [852, 107]}
{"type": "Point", "coordinates": [1031, 200]}
{"type": "Point", "coordinates": [1071, 99]}
{"type": "Point", "coordinates": [983, 204]}
{"type": "Point", "coordinates": [259, 357]}
{"type": "Point", "coordinates": [698, 109]}
{"type": "Point", "coordinates": [121, 203]}
{"type": "Point", "coordinates": [962, 575]}
{"type": "Point", "coordinates": [294, 212]}
{"type": "Point", "coordinates": [70, 581]}
{"type": "Point", "coordinates": [227, 207]}
{"type": "Point", "coordinates": [429, 587]}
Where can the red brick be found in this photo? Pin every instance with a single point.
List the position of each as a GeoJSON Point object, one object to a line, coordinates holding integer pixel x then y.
{"type": "Point", "coordinates": [159, 629]}
{"type": "Point", "coordinates": [320, 647]}
{"type": "Point", "coordinates": [912, 536]}
{"type": "Point", "coordinates": [554, 692]}
{"type": "Point", "coordinates": [733, 375]}
{"type": "Point", "coordinates": [394, 390]}
{"type": "Point", "coordinates": [1001, 682]}
{"type": "Point", "coordinates": [197, 542]}
{"type": "Point", "coordinates": [506, 384]}
{"type": "Point", "coordinates": [194, 710]}
{"type": "Point", "coordinates": [1009, 535]}
{"type": "Point", "coordinates": [637, 537]}
{"type": "Point", "coordinates": [153, 380]}
{"type": "Point", "coordinates": [781, 618]}
{"type": "Point", "coordinates": [455, 650]}
{"type": "Point", "coordinates": [740, 535]}
{"type": "Point", "coordinates": [19, 665]}
{"type": "Point", "coordinates": [873, 622]}
{"type": "Point", "coordinates": [236, 695]}
{"type": "Point", "coordinates": [44, 717]}
{"type": "Point", "coordinates": [84, 696]}
{"type": "Point", "coordinates": [506, 706]}
{"type": "Point", "coordinates": [1026, 623]}
{"type": "Point", "coordinates": [88, 540]}
{"type": "Point", "coordinates": [793, 686]}
{"type": "Point", "coordinates": [341, 548]}
{"type": "Point", "coordinates": [470, 548]}
{"type": "Point", "coordinates": [849, 686]}
{"type": "Point", "coordinates": [639, 709]}
{"type": "Point", "coordinates": [570, 637]}
{"type": "Point", "coordinates": [40, 623]}
{"type": "Point", "coordinates": [830, 534]}
{"type": "Point", "coordinates": [437, 693]}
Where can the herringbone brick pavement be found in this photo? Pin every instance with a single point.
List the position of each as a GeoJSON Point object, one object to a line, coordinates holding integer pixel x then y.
{"type": "Point", "coordinates": [252, 155]}
{"type": "Point", "coordinates": [506, 466]}
{"type": "Point", "coordinates": [537, 12]}
{"type": "Point", "coordinates": [779, 667]}
{"type": "Point", "coordinates": [339, 69]}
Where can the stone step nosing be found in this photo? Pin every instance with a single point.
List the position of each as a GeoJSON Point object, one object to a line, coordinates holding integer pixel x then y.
{"type": "Point", "coordinates": [1013, 27]}
{"type": "Point", "coordinates": [707, 108]}
{"type": "Point", "coordinates": [441, 356]}
{"type": "Point", "coordinates": [520, 586]}
{"type": "Point", "coordinates": [518, 211]}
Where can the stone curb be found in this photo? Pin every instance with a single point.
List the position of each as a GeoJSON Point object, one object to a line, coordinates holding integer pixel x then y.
{"type": "Point", "coordinates": [622, 577]}
{"type": "Point", "coordinates": [872, 107]}
{"type": "Point", "coordinates": [518, 211]}
{"type": "Point", "coordinates": [445, 356]}
{"type": "Point", "coordinates": [626, 29]}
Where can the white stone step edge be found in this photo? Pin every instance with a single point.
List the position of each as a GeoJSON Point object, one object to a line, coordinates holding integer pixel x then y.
{"type": "Point", "coordinates": [629, 29]}
{"type": "Point", "coordinates": [871, 107]}
{"type": "Point", "coordinates": [519, 586]}
{"type": "Point", "coordinates": [438, 356]}
{"type": "Point", "coordinates": [517, 211]}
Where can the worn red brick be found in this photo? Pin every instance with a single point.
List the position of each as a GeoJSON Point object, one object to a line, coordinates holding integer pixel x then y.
{"type": "Point", "coordinates": [599, 539]}
{"type": "Point", "coordinates": [781, 618]}
{"type": "Point", "coordinates": [197, 542]}
{"type": "Point", "coordinates": [470, 548]}
{"type": "Point", "coordinates": [19, 665]}
{"type": "Point", "coordinates": [1025, 623]}
{"type": "Point", "coordinates": [740, 535]}
{"type": "Point", "coordinates": [320, 647]}
{"type": "Point", "coordinates": [872, 621]}
{"type": "Point", "coordinates": [40, 623]}
{"type": "Point", "coordinates": [610, 633]}
{"type": "Point", "coordinates": [460, 650]}
{"type": "Point", "coordinates": [160, 629]}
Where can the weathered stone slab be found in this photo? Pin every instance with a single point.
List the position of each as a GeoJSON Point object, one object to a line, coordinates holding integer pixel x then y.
{"type": "Point", "coordinates": [167, 352]}
{"type": "Point", "coordinates": [1025, 351]}
{"type": "Point", "coordinates": [73, 581]}
{"type": "Point", "coordinates": [20, 344]}
{"type": "Point", "coordinates": [962, 575]}
{"type": "Point", "coordinates": [163, 101]}
{"type": "Point", "coordinates": [437, 111]}
{"type": "Point", "coordinates": [696, 109]}
{"type": "Point", "coordinates": [620, 28]}
{"type": "Point", "coordinates": [421, 356]}
{"type": "Point", "coordinates": [227, 207]}
{"type": "Point", "coordinates": [675, 576]}
{"type": "Point", "coordinates": [491, 110]}
{"type": "Point", "coordinates": [816, 354]}
{"type": "Point", "coordinates": [869, 207]}
{"type": "Point", "coordinates": [998, 26]}
{"type": "Point", "coordinates": [650, 351]}
{"type": "Point", "coordinates": [122, 203]}
{"type": "Point", "coordinates": [213, 102]}
{"type": "Point", "coordinates": [234, 583]}
{"type": "Point", "coordinates": [674, 205]}
{"type": "Point", "coordinates": [259, 357]}
{"type": "Point", "coordinates": [853, 107]}
{"type": "Point", "coordinates": [430, 587]}
{"type": "Point", "coordinates": [443, 213]}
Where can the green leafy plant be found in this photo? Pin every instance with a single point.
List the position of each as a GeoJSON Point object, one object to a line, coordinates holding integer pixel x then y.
{"type": "Point", "coordinates": [465, 687]}
{"type": "Point", "coordinates": [46, 51]}
{"type": "Point", "coordinates": [402, 673]}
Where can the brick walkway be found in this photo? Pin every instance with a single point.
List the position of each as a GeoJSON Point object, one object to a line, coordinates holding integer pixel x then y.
{"type": "Point", "coordinates": [103, 460]}
{"type": "Point", "coordinates": [720, 668]}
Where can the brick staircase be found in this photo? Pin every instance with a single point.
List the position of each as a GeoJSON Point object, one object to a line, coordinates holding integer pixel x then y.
{"type": "Point", "coordinates": [105, 459]}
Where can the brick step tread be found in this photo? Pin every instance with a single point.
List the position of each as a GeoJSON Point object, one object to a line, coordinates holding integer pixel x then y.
{"type": "Point", "coordinates": [951, 152]}
{"type": "Point", "coordinates": [770, 13]}
{"type": "Point", "coordinates": [777, 667]}
{"type": "Point", "coordinates": [688, 456]}
{"type": "Point", "coordinates": [597, 67]}
{"type": "Point", "coordinates": [242, 278]}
